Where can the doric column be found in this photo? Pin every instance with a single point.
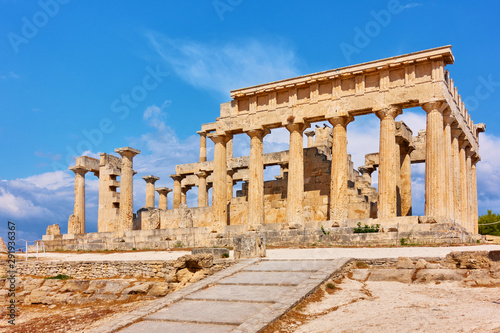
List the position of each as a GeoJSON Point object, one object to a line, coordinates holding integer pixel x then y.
{"type": "Point", "coordinates": [163, 201]}
{"type": "Point", "coordinates": [177, 190]}
{"type": "Point", "coordinates": [310, 138]}
{"type": "Point", "coordinates": [219, 176]}
{"type": "Point", "coordinates": [470, 224]}
{"type": "Point", "coordinates": [339, 169]}
{"type": "Point", "coordinates": [463, 183]}
{"type": "Point", "coordinates": [475, 216]}
{"type": "Point", "coordinates": [455, 156]}
{"type": "Point", "coordinates": [434, 162]}
{"type": "Point", "coordinates": [127, 188]}
{"type": "Point", "coordinates": [448, 165]}
{"type": "Point", "coordinates": [202, 188]}
{"type": "Point", "coordinates": [150, 190]}
{"type": "Point", "coordinates": [405, 187]}
{"type": "Point", "coordinates": [389, 163]}
{"type": "Point", "coordinates": [203, 146]}
{"type": "Point", "coordinates": [184, 191]}
{"type": "Point", "coordinates": [256, 178]}
{"type": "Point", "coordinates": [77, 223]}
{"type": "Point", "coordinates": [229, 146]}
{"type": "Point", "coordinates": [230, 183]}
{"type": "Point", "coordinates": [295, 188]}
{"type": "Point", "coordinates": [397, 156]}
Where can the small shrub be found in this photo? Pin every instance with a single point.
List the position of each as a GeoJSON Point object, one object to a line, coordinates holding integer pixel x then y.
{"type": "Point", "coordinates": [360, 264]}
{"type": "Point", "coordinates": [366, 229]}
{"type": "Point", "coordinates": [178, 244]}
{"type": "Point", "coordinates": [226, 255]}
{"type": "Point", "coordinates": [134, 249]}
{"type": "Point", "coordinates": [324, 231]}
{"type": "Point", "coordinates": [330, 285]}
{"type": "Point", "coordinates": [59, 277]}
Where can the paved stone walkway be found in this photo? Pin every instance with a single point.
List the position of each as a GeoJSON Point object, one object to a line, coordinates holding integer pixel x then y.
{"type": "Point", "coordinates": [242, 298]}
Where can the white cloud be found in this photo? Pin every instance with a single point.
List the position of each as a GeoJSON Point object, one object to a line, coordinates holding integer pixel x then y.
{"type": "Point", "coordinates": [50, 180]}
{"type": "Point", "coordinates": [15, 207]}
{"type": "Point", "coordinates": [222, 67]}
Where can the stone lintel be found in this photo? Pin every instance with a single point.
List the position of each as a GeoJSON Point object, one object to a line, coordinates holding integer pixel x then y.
{"type": "Point", "coordinates": [127, 151]}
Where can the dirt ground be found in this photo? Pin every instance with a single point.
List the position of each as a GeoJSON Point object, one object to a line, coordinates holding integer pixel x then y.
{"type": "Point", "coordinates": [354, 306]}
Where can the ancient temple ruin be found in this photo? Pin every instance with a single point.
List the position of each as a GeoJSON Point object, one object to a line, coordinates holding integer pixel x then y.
{"type": "Point", "coordinates": [318, 185]}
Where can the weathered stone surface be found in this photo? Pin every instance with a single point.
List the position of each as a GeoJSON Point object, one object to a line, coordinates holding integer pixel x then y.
{"type": "Point", "coordinates": [360, 274]}
{"type": "Point", "coordinates": [3, 247]}
{"type": "Point", "coordinates": [53, 229]}
{"type": "Point", "coordinates": [249, 246]}
{"type": "Point", "coordinates": [469, 259]}
{"type": "Point", "coordinates": [31, 284]}
{"type": "Point", "coordinates": [216, 252]}
{"type": "Point", "coordinates": [479, 277]}
{"type": "Point", "coordinates": [390, 274]}
{"type": "Point", "coordinates": [95, 286]}
{"type": "Point", "coordinates": [159, 289]}
{"type": "Point", "coordinates": [116, 286]}
{"type": "Point", "coordinates": [405, 263]}
{"type": "Point", "coordinates": [140, 288]}
{"type": "Point", "coordinates": [421, 263]}
{"type": "Point", "coordinates": [75, 286]}
{"type": "Point", "coordinates": [432, 275]}
{"type": "Point", "coordinates": [53, 283]}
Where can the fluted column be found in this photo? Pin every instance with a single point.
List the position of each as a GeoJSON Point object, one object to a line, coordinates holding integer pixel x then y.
{"type": "Point", "coordinates": [339, 169]}
{"type": "Point", "coordinates": [203, 146]}
{"type": "Point", "coordinates": [389, 163]}
{"type": "Point", "coordinates": [310, 138]}
{"type": "Point", "coordinates": [127, 188]}
{"type": "Point", "coordinates": [405, 187]}
{"type": "Point", "coordinates": [470, 223]}
{"type": "Point", "coordinates": [475, 216]}
{"type": "Point", "coordinates": [163, 200]}
{"type": "Point", "coordinates": [434, 162]}
{"type": "Point", "coordinates": [463, 183]}
{"type": "Point", "coordinates": [448, 166]}
{"type": "Point", "coordinates": [76, 224]}
{"type": "Point", "coordinates": [219, 176]}
{"type": "Point", "coordinates": [256, 178]}
{"type": "Point", "coordinates": [177, 190]}
{"type": "Point", "coordinates": [202, 188]}
{"type": "Point", "coordinates": [455, 156]}
{"type": "Point", "coordinates": [150, 190]}
{"type": "Point", "coordinates": [295, 188]}
{"type": "Point", "coordinates": [230, 183]}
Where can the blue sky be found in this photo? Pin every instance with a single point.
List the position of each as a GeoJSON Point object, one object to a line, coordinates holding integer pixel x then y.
{"type": "Point", "coordinates": [89, 76]}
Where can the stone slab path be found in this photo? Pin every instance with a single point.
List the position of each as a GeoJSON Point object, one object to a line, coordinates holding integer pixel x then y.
{"type": "Point", "coordinates": [242, 298]}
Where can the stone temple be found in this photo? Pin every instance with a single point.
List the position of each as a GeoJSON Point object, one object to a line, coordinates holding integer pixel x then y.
{"type": "Point", "coordinates": [318, 185]}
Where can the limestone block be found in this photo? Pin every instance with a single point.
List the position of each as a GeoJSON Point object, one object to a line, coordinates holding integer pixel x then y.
{"type": "Point", "coordinates": [38, 296]}
{"type": "Point", "coordinates": [495, 269]}
{"type": "Point", "coordinates": [95, 286]}
{"type": "Point", "coordinates": [196, 261]}
{"type": "Point", "coordinates": [54, 284]}
{"type": "Point", "coordinates": [469, 259]}
{"type": "Point", "coordinates": [79, 299]}
{"type": "Point", "coordinates": [103, 297]}
{"type": "Point", "coordinates": [140, 288]}
{"type": "Point", "coordinates": [479, 277]}
{"type": "Point", "coordinates": [249, 246]}
{"type": "Point", "coordinates": [53, 229]}
{"type": "Point", "coordinates": [31, 284]}
{"type": "Point", "coordinates": [199, 275]}
{"type": "Point", "coordinates": [184, 275]}
{"type": "Point", "coordinates": [432, 275]}
{"type": "Point", "coordinates": [405, 263]}
{"type": "Point", "coordinates": [115, 286]}
{"type": "Point", "coordinates": [216, 252]}
{"type": "Point", "coordinates": [159, 289]}
{"type": "Point", "coordinates": [61, 298]}
{"type": "Point", "coordinates": [391, 274]}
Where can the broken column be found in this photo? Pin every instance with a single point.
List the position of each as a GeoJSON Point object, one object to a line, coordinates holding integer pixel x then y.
{"type": "Point", "coordinates": [163, 200]}
{"type": "Point", "coordinates": [127, 188]}
{"type": "Point", "coordinates": [203, 146]}
{"type": "Point", "coordinates": [177, 190]}
{"type": "Point", "coordinates": [310, 138]}
{"type": "Point", "coordinates": [150, 190]}
{"type": "Point", "coordinates": [76, 222]}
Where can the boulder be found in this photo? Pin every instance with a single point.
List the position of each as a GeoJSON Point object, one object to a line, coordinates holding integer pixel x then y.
{"type": "Point", "coordinates": [405, 263]}
{"type": "Point", "coordinates": [469, 259]}
{"type": "Point", "coordinates": [116, 286]}
{"type": "Point", "coordinates": [75, 285]}
{"type": "Point", "coordinates": [31, 284]}
{"type": "Point", "coordinates": [479, 277]}
{"type": "Point", "coordinates": [140, 288]}
{"type": "Point", "coordinates": [159, 289]}
{"type": "Point", "coordinates": [421, 263]}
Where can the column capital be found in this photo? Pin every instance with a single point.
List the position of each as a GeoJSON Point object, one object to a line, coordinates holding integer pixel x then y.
{"type": "Point", "coordinates": [163, 190]}
{"type": "Point", "coordinates": [78, 170]}
{"type": "Point", "coordinates": [202, 174]}
{"type": "Point", "coordinates": [261, 133]}
{"type": "Point", "coordinates": [217, 137]}
{"type": "Point", "coordinates": [341, 120]}
{"type": "Point", "coordinates": [391, 111]}
{"type": "Point", "coordinates": [297, 127]}
{"type": "Point", "coordinates": [480, 128]}
{"type": "Point", "coordinates": [309, 133]}
{"type": "Point", "coordinates": [202, 133]}
{"type": "Point", "coordinates": [435, 106]}
{"type": "Point", "coordinates": [186, 188]}
{"type": "Point", "coordinates": [231, 172]}
{"type": "Point", "coordinates": [150, 179]}
{"type": "Point", "coordinates": [177, 177]}
{"type": "Point", "coordinates": [127, 151]}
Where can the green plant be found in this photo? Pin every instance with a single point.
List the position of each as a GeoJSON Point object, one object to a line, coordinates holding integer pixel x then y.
{"type": "Point", "coordinates": [59, 277]}
{"type": "Point", "coordinates": [314, 244]}
{"type": "Point", "coordinates": [485, 228]}
{"type": "Point", "coordinates": [178, 244]}
{"type": "Point", "coordinates": [366, 229]}
{"type": "Point", "coordinates": [324, 231]}
{"type": "Point", "coordinates": [360, 264]}
{"type": "Point", "coordinates": [226, 255]}
{"type": "Point", "coordinates": [330, 285]}
{"type": "Point", "coordinates": [134, 249]}
{"type": "Point", "coordinates": [122, 240]}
